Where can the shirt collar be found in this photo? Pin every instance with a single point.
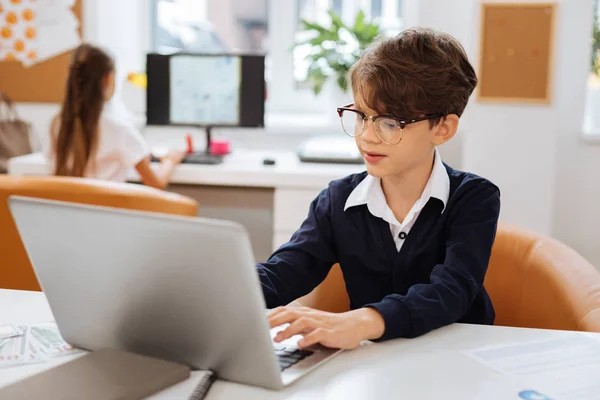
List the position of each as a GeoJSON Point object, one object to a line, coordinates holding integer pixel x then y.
{"type": "Point", "coordinates": [440, 181]}
{"type": "Point", "coordinates": [369, 191]}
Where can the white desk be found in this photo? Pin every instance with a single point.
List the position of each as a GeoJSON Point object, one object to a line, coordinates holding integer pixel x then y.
{"type": "Point", "coordinates": [430, 367]}
{"type": "Point", "coordinates": [292, 186]}
{"type": "Point", "coordinates": [240, 168]}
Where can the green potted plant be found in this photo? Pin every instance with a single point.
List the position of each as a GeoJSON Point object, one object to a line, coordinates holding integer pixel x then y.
{"type": "Point", "coordinates": [593, 100]}
{"type": "Point", "coordinates": [335, 48]}
{"type": "Point", "coordinates": [596, 42]}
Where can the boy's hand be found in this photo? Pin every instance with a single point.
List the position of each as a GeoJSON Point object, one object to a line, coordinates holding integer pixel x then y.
{"type": "Point", "coordinates": [343, 331]}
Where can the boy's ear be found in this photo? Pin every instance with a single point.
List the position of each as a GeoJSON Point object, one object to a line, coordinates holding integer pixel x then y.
{"type": "Point", "coordinates": [446, 129]}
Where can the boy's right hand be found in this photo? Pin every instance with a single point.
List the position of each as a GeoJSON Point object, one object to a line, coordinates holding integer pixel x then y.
{"type": "Point", "coordinates": [336, 330]}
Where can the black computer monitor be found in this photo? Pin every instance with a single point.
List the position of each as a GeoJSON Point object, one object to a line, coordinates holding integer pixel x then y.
{"type": "Point", "coordinates": [205, 90]}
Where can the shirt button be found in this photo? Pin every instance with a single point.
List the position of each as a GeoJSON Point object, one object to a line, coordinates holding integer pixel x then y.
{"type": "Point", "coordinates": [402, 235]}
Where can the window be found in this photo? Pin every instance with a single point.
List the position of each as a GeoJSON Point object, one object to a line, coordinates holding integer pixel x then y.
{"type": "Point", "coordinates": [244, 25]}
{"type": "Point", "coordinates": [592, 115]}
{"type": "Point", "coordinates": [209, 25]}
{"type": "Point", "coordinates": [386, 13]}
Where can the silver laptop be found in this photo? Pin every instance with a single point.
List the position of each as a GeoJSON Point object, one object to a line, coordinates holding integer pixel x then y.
{"type": "Point", "coordinates": [181, 289]}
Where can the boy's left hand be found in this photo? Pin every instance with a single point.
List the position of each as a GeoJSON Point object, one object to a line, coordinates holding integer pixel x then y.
{"type": "Point", "coordinates": [344, 330]}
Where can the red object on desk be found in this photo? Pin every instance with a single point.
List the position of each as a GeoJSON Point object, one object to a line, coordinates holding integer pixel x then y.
{"type": "Point", "coordinates": [220, 147]}
{"type": "Point", "coordinates": [189, 142]}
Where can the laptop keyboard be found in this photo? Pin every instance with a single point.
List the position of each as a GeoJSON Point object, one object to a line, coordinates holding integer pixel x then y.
{"type": "Point", "coordinates": [289, 356]}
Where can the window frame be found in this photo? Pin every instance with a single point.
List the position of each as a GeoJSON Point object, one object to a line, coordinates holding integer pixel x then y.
{"type": "Point", "coordinates": [284, 96]}
{"type": "Point", "coordinates": [284, 93]}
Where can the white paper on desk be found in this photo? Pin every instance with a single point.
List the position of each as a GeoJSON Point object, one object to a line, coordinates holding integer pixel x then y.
{"type": "Point", "coordinates": [47, 339]}
{"type": "Point", "coordinates": [19, 350]}
{"type": "Point", "coordinates": [8, 331]}
{"type": "Point", "coordinates": [565, 368]}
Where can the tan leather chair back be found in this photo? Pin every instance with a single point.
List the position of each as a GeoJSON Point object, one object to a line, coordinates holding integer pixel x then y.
{"type": "Point", "coordinates": [16, 271]}
{"type": "Point", "coordinates": [330, 295]}
{"type": "Point", "coordinates": [538, 282]}
{"type": "Point", "coordinates": [534, 282]}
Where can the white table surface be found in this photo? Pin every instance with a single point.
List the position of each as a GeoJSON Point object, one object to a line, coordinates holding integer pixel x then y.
{"type": "Point", "coordinates": [240, 168]}
{"type": "Point", "coordinates": [430, 367]}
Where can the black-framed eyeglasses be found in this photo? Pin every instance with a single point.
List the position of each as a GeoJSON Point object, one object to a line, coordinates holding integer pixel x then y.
{"type": "Point", "coordinates": [387, 127]}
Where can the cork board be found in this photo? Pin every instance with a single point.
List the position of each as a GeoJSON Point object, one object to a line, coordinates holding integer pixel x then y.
{"type": "Point", "coordinates": [39, 83]}
{"type": "Point", "coordinates": [516, 48]}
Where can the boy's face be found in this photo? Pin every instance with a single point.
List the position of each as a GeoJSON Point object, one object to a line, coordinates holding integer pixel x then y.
{"type": "Point", "coordinates": [416, 147]}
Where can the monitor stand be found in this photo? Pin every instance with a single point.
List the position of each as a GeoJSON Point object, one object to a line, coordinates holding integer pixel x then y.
{"type": "Point", "coordinates": [203, 157]}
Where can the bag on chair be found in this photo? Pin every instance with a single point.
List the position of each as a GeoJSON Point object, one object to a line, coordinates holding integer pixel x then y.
{"type": "Point", "coordinates": [15, 134]}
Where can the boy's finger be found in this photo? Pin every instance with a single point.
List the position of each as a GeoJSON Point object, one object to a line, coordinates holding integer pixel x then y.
{"type": "Point", "coordinates": [285, 317]}
{"type": "Point", "coordinates": [295, 304]}
{"type": "Point", "coordinates": [277, 314]}
{"type": "Point", "coordinates": [276, 311]}
{"type": "Point", "coordinates": [312, 338]}
{"type": "Point", "coordinates": [301, 325]}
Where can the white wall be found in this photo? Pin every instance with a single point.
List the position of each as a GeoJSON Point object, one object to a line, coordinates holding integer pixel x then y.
{"type": "Point", "coordinates": [577, 186]}
{"type": "Point", "coordinates": [516, 145]}
{"type": "Point", "coordinates": [549, 178]}
{"type": "Point", "coordinates": [121, 28]}
{"type": "Point", "coordinates": [577, 205]}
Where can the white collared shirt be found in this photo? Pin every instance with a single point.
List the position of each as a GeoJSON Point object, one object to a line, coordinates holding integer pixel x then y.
{"type": "Point", "coordinates": [369, 192]}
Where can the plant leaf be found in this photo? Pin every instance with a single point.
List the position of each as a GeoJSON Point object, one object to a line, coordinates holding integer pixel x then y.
{"type": "Point", "coordinates": [333, 50]}
{"type": "Point", "coordinates": [316, 41]}
{"type": "Point", "coordinates": [336, 21]}
{"type": "Point", "coordinates": [342, 81]}
{"type": "Point", "coordinates": [317, 56]}
{"type": "Point", "coordinates": [359, 24]}
{"type": "Point", "coordinates": [311, 26]}
{"type": "Point", "coordinates": [317, 78]}
{"type": "Point", "coordinates": [596, 42]}
{"type": "Point", "coordinates": [372, 31]}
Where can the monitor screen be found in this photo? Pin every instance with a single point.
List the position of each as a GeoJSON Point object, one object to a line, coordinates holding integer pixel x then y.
{"type": "Point", "coordinates": [205, 90]}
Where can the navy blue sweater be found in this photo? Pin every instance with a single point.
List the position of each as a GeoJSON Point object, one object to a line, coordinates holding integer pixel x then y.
{"type": "Point", "coordinates": [436, 278]}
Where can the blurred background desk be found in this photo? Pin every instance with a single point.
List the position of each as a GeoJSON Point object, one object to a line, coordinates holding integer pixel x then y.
{"type": "Point", "coordinates": [271, 201]}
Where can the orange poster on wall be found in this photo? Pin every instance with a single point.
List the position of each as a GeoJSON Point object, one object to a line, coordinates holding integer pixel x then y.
{"type": "Point", "coordinates": [32, 31]}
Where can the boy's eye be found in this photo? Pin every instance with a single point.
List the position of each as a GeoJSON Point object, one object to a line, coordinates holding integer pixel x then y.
{"type": "Point", "coordinates": [388, 123]}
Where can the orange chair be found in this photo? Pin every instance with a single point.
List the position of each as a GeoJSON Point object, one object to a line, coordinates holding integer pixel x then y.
{"type": "Point", "coordinates": [330, 295]}
{"type": "Point", "coordinates": [538, 282]}
{"type": "Point", "coordinates": [16, 271]}
{"type": "Point", "coordinates": [533, 281]}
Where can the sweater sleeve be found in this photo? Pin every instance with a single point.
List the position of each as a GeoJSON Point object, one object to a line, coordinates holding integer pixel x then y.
{"type": "Point", "coordinates": [298, 266]}
{"type": "Point", "coordinates": [455, 283]}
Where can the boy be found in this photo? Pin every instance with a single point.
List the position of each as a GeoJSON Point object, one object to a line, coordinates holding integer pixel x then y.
{"type": "Point", "coordinates": [413, 236]}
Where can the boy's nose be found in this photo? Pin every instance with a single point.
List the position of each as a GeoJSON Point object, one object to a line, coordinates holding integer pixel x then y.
{"type": "Point", "coordinates": [370, 134]}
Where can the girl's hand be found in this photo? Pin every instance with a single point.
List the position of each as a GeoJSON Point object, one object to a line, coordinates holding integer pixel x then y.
{"type": "Point", "coordinates": [175, 156]}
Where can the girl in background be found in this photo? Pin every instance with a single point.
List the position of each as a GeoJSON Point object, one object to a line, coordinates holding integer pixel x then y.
{"type": "Point", "coordinates": [88, 140]}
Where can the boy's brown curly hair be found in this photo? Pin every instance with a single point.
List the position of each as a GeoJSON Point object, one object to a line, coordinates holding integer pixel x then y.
{"type": "Point", "coordinates": [417, 72]}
